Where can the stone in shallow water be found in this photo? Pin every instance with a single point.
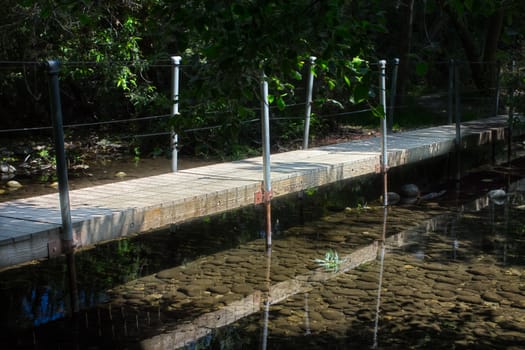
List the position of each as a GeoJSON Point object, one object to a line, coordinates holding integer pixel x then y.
{"type": "Point", "coordinates": [470, 299]}
{"type": "Point", "coordinates": [512, 336]}
{"type": "Point", "coordinates": [512, 297]}
{"type": "Point", "coordinates": [439, 267]}
{"type": "Point", "coordinates": [168, 274]}
{"type": "Point", "coordinates": [409, 190]}
{"type": "Point", "coordinates": [242, 289]}
{"type": "Point", "coordinates": [191, 291]}
{"type": "Point", "coordinates": [486, 271]}
{"type": "Point", "coordinates": [491, 297]}
{"type": "Point", "coordinates": [520, 304]}
{"type": "Point", "coordinates": [332, 314]}
{"type": "Point", "coordinates": [366, 285]}
{"type": "Point", "coordinates": [354, 293]}
{"type": "Point", "coordinates": [448, 280]}
{"type": "Point", "coordinates": [340, 305]}
{"type": "Point", "coordinates": [444, 294]}
{"type": "Point", "coordinates": [279, 277]}
{"type": "Point", "coordinates": [404, 292]}
{"type": "Point", "coordinates": [510, 287]}
{"type": "Point", "coordinates": [219, 289]}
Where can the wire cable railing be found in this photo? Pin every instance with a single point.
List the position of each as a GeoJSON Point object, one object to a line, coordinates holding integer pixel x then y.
{"type": "Point", "coordinates": [277, 112]}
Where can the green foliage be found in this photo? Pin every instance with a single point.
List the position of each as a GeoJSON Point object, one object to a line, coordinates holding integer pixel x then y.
{"type": "Point", "coordinates": [331, 261]}
{"type": "Point", "coordinates": [237, 38]}
{"type": "Point", "coordinates": [514, 81]}
{"type": "Point", "coordinates": [114, 58]}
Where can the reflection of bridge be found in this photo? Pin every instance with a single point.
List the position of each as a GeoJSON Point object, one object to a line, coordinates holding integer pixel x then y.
{"type": "Point", "coordinates": [259, 301]}
{"type": "Point", "coordinates": [188, 332]}
{"type": "Point", "coordinates": [30, 228]}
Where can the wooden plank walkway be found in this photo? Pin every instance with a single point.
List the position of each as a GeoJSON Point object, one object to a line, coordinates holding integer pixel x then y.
{"type": "Point", "coordinates": [30, 228]}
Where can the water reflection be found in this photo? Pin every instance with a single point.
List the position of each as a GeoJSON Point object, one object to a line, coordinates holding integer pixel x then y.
{"type": "Point", "coordinates": [408, 278]}
{"type": "Point", "coordinates": [266, 300]}
{"type": "Point", "coordinates": [380, 278]}
{"type": "Point", "coordinates": [43, 306]}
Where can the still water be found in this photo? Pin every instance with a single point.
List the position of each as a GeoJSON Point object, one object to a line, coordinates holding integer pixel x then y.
{"type": "Point", "coordinates": [343, 273]}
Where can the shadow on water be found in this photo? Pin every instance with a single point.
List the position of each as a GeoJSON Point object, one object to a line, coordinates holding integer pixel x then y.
{"type": "Point", "coordinates": [433, 275]}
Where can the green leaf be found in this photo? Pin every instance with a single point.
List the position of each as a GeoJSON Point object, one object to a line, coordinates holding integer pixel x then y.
{"type": "Point", "coordinates": [280, 103]}
{"type": "Point", "coordinates": [347, 80]}
{"type": "Point", "coordinates": [296, 75]}
{"type": "Point", "coordinates": [378, 111]}
{"type": "Point", "coordinates": [360, 94]}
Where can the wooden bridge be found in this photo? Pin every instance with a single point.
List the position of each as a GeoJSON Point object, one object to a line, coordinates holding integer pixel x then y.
{"type": "Point", "coordinates": [30, 228]}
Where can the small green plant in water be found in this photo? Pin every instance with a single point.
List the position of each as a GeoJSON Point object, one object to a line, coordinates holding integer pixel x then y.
{"type": "Point", "coordinates": [331, 261]}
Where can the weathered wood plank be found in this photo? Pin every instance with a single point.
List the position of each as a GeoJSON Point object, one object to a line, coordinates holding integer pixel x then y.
{"type": "Point", "coordinates": [106, 212]}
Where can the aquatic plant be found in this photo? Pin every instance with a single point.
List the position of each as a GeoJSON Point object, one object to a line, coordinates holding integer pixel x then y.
{"type": "Point", "coordinates": [330, 261]}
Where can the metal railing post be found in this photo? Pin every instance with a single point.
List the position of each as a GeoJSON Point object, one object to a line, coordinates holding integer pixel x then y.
{"type": "Point", "coordinates": [267, 184]}
{"type": "Point", "coordinates": [384, 154]}
{"type": "Point", "coordinates": [308, 112]}
{"type": "Point", "coordinates": [63, 186]}
{"type": "Point", "coordinates": [175, 79]}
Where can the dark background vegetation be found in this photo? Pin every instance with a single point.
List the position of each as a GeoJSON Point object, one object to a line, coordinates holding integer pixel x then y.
{"type": "Point", "coordinates": [115, 61]}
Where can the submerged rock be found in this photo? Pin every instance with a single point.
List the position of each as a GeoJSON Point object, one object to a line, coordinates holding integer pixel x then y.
{"type": "Point", "coordinates": [409, 191]}
{"type": "Point", "coordinates": [497, 196]}
{"type": "Point", "coordinates": [393, 198]}
{"type": "Point", "coordinates": [7, 169]}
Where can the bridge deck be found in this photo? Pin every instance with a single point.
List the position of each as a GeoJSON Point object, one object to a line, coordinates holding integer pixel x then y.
{"type": "Point", "coordinates": [30, 228]}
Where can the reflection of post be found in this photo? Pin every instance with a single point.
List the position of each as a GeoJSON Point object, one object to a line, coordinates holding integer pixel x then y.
{"type": "Point", "coordinates": [306, 315]}
{"type": "Point", "coordinates": [453, 236]}
{"type": "Point", "coordinates": [63, 187]}
{"type": "Point", "coordinates": [506, 217]}
{"type": "Point", "coordinates": [267, 301]}
{"type": "Point", "coordinates": [267, 184]}
{"type": "Point", "coordinates": [380, 281]}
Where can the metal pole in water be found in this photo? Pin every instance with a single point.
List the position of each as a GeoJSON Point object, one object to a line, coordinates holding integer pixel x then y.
{"type": "Point", "coordinates": [175, 77]}
{"type": "Point", "coordinates": [63, 187]}
{"type": "Point", "coordinates": [309, 102]}
{"type": "Point", "coordinates": [393, 92]}
{"type": "Point", "coordinates": [384, 154]}
{"type": "Point", "coordinates": [267, 184]}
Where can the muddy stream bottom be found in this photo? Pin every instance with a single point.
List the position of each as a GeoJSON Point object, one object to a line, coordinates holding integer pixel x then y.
{"type": "Point", "coordinates": [433, 275]}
